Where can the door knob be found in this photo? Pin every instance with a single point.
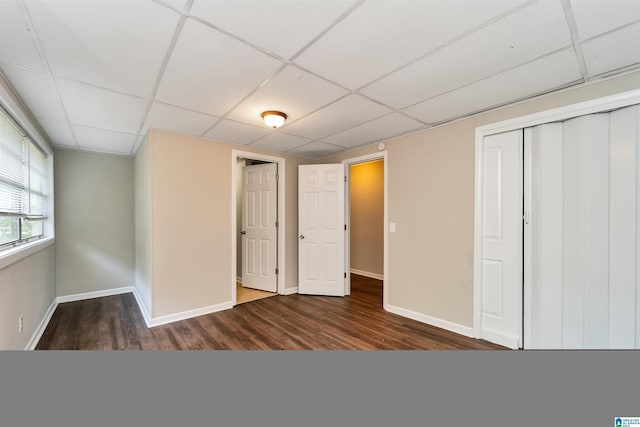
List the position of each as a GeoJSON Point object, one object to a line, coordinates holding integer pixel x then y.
{"type": "Point", "coordinates": [301, 236]}
{"type": "Point", "coordinates": [243, 232]}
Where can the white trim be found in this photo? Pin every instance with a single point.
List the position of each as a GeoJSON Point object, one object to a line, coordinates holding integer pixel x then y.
{"type": "Point", "coordinates": [42, 326]}
{"type": "Point", "coordinates": [290, 291]}
{"type": "Point", "coordinates": [94, 294]}
{"type": "Point", "coordinates": [239, 279]}
{"type": "Point", "coordinates": [280, 277]}
{"type": "Point", "coordinates": [381, 155]}
{"type": "Point", "coordinates": [591, 106]}
{"type": "Point", "coordinates": [501, 339]}
{"type": "Point", "coordinates": [188, 314]}
{"type": "Point", "coordinates": [367, 274]}
{"type": "Point", "coordinates": [141, 306]}
{"type": "Point", "coordinates": [430, 320]}
{"type": "Point", "coordinates": [595, 105]}
{"type": "Point", "coordinates": [527, 246]}
{"type": "Point", "coordinates": [13, 255]}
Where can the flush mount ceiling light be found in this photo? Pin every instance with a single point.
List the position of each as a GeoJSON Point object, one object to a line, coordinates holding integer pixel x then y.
{"type": "Point", "coordinates": [274, 119]}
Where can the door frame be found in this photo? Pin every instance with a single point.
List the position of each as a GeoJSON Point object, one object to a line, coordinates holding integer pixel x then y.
{"type": "Point", "coordinates": [595, 105]}
{"type": "Point", "coordinates": [280, 277]}
{"type": "Point", "coordinates": [382, 155]}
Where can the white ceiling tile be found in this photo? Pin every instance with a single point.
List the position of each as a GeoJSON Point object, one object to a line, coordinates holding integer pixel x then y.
{"type": "Point", "coordinates": [58, 132]}
{"type": "Point", "coordinates": [376, 130]}
{"type": "Point", "coordinates": [293, 91]}
{"type": "Point", "coordinates": [38, 91]}
{"type": "Point", "coordinates": [236, 133]}
{"type": "Point", "coordinates": [119, 45]}
{"type": "Point", "coordinates": [595, 17]}
{"type": "Point", "coordinates": [343, 114]}
{"type": "Point", "coordinates": [278, 141]}
{"type": "Point", "coordinates": [511, 41]}
{"type": "Point", "coordinates": [104, 140]}
{"type": "Point", "coordinates": [17, 45]}
{"type": "Point", "coordinates": [613, 50]}
{"type": "Point", "coordinates": [382, 35]}
{"type": "Point", "coordinates": [550, 72]}
{"type": "Point", "coordinates": [279, 26]}
{"type": "Point", "coordinates": [174, 119]}
{"type": "Point", "coordinates": [210, 72]}
{"type": "Point", "coordinates": [316, 149]}
{"type": "Point", "coordinates": [100, 108]}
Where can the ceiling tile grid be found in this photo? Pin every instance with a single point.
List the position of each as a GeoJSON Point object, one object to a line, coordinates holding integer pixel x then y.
{"type": "Point", "coordinates": [234, 132]}
{"type": "Point", "coordinates": [98, 74]}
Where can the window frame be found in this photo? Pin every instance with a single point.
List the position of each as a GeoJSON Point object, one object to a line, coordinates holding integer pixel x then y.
{"type": "Point", "coordinates": [14, 250]}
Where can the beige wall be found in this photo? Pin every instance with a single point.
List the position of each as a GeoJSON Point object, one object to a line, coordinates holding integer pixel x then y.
{"type": "Point", "coordinates": [94, 222]}
{"type": "Point", "coordinates": [366, 217]}
{"type": "Point", "coordinates": [142, 215]}
{"type": "Point", "coordinates": [27, 289]}
{"type": "Point", "coordinates": [190, 211]}
{"type": "Point", "coordinates": [431, 192]}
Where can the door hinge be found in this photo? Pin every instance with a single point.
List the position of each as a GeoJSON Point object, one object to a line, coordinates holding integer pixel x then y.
{"type": "Point", "coordinates": [345, 275]}
{"type": "Point", "coordinates": [345, 178]}
{"type": "Point", "coordinates": [277, 271]}
{"type": "Point", "coordinates": [277, 224]}
{"type": "Point", "coordinates": [345, 227]}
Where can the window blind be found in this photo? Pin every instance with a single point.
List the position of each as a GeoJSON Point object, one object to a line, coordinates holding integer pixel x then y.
{"type": "Point", "coordinates": [22, 172]}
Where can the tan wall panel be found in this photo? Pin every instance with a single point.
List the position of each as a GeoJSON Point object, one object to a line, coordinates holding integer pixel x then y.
{"type": "Point", "coordinates": [94, 222]}
{"type": "Point", "coordinates": [191, 221]}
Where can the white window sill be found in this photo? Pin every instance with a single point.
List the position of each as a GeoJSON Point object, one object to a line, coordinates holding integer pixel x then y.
{"type": "Point", "coordinates": [13, 255]}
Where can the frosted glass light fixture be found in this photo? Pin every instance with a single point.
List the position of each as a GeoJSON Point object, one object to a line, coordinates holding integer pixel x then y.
{"type": "Point", "coordinates": [274, 119]}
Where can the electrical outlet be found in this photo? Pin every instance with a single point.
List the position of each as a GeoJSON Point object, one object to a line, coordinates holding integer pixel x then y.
{"type": "Point", "coordinates": [20, 324]}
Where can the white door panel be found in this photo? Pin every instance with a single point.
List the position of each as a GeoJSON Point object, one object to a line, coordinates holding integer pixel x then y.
{"type": "Point", "coordinates": [321, 229]}
{"type": "Point", "coordinates": [259, 231]}
{"type": "Point", "coordinates": [502, 239]}
{"type": "Point", "coordinates": [584, 255]}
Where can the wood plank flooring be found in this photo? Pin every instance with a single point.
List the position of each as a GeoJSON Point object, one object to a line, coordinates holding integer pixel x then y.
{"type": "Point", "coordinates": [294, 322]}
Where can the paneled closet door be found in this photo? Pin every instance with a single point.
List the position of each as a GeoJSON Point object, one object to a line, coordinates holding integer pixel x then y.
{"type": "Point", "coordinates": [584, 285]}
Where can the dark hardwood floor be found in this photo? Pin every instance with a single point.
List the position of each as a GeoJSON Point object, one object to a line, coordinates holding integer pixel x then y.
{"type": "Point", "coordinates": [294, 322]}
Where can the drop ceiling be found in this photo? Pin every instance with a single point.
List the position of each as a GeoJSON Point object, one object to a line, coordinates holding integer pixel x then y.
{"type": "Point", "coordinates": [98, 74]}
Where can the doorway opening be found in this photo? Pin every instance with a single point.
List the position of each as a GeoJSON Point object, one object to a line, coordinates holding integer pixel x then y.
{"type": "Point", "coordinates": [257, 226]}
{"type": "Point", "coordinates": [366, 249]}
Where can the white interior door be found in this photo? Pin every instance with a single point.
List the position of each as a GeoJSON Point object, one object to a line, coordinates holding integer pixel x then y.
{"type": "Point", "coordinates": [501, 264]}
{"type": "Point", "coordinates": [321, 263]}
{"type": "Point", "coordinates": [259, 230]}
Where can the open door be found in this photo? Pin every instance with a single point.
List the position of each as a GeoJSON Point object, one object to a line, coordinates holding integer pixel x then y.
{"type": "Point", "coordinates": [321, 264]}
{"type": "Point", "coordinates": [259, 228]}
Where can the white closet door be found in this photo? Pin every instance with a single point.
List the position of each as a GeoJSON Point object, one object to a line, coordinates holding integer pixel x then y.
{"type": "Point", "coordinates": [584, 228]}
{"type": "Point", "coordinates": [501, 277]}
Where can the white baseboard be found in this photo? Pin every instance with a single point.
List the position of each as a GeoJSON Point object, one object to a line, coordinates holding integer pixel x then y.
{"type": "Point", "coordinates": [239, 279]}
{"type": "Point", "coordinates": [170, 318]}
{"type": "Point", "coordinates": [290, 291]}
{"type": "Point", "coordinates": [500, 338]}
{"type": "Point", "coordinates": [37, 334]}
{"type": "Point", "coordinates": [95, 294]}
{"type": "Point", "coordinates": [143, 309]}
{"type": "Point", "coordinates": [467, 331]}
{"type": "Point", "coordinates": [367, 274]}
